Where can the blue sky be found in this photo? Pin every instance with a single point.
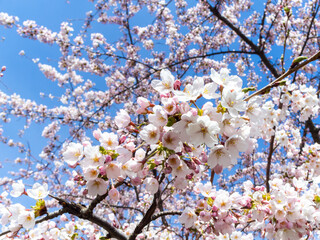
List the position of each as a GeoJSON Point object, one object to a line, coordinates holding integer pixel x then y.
{"type": "Point", "coordinates": [22, 75]}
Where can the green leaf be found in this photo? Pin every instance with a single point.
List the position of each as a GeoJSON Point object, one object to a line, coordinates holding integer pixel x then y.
{"type": "Point", "coordinates": [114, 155]}
{"type": "Point", "coordinates": [40, 208]}
{"type": "Point", "coordinates": [74, 236]}
{"type": "Point", "coordinates": [171, 121]}
{"type": "Point", "coordinates": [248, 89]}
{"type": "Point", "coordinates": [221, 109]}
{"type": "Point", "coordinates": [287, 11]}
{"type": "Point", "coordinates": [151, 164]}
{"type": "Point", "coordinates": [299, 59]}
{"type": "Point", "coordinates": [210, 201]}
{"type": "Point", "coordinates": [102, 150]}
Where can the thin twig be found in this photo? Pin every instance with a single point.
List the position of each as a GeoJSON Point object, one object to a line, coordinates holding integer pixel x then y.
{"type": "Point", "coordinates": [45, 218]}
{"type": "Point", "coordinates": [286, 74]}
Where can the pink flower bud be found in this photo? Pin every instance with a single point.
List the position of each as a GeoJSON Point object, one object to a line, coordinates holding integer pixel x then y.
{"type": "Point", "coordinates": [97, 134]}
{"type": "Point", "coordinates": [86, 143]}
{"type": "Point", "coordinates": [196, 161]}
{"type": "Point", "coordinates": [218, 169]}
{"type": "Point", "coordinates": [289, 225]}
{"type": "Point", "coordinates": [122, 139]}
{"type": "Point", "coordinates": [176, 85]}
{"type": "Point", "coordinates": [3, 68]}
{"type": "Point", "coordinates": [194, 112]}
{"type": "Point", "coordinates": [184, 107]}
{"type": "Point", "coordinates": [167, 170]}
{"type": "Point", "coordinates": [82, 183]}
{"type": "Point", "coordinates": [215, 208]}
{"type": "Point", "coordinates": [76, 178]}
{"type": "Point", "coordinates": [191, 165]}
{"type": "Point", "coordinates": [197, 170]}
{"type": "Point", "coordinates": [189, 176]}
{"type": "Point", "coordinates": [187, 148]}
{"type": "Point", "coordinates": [64, 218]}
{"type": "Point", "coordinates": [102, 170]}
{"type": "Point", "coordinates": [204, 157]}
{"type": "Point", "coordinates": [114, 194]}
{"type": "Point", "coordinates": [166, 95]}
{"type": "Point", "coordinates": [108, 159]}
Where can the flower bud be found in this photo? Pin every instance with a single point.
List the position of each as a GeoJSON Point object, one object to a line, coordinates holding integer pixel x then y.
{"type": "Point", "coordinates": [97, 134]}
{"type": "Point", "coordinates": [114, 194]}
{"type": "Point", "coordinates": [108, 159]}
{"type": "Point", "coordinates": [176, 85]}
{"type": "Point", "coordinates": [102, 170]}
{"type": "Point", "coordinates": [218, 169]}
{"type": "Point", "coordinates": [122, 139]}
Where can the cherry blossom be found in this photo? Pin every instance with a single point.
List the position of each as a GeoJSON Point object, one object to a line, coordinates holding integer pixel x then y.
{"type": "Point", "coordinates": [18, 189]}
{"type": "Point", "coordinates": [152, 134]}
{"type": "Point", "coordinates": [38, 191]}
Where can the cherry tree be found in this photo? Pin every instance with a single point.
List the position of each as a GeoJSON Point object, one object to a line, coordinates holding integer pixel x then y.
{"type": "Point", "coordinates": [206, 127]}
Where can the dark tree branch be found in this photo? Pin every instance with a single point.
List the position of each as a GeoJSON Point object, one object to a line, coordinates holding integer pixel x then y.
{"type": "Point", "coordinates": [283, 76]}
{"type": "Point", "coordinates": [314, 14]}
{"type": "Point", "coordinates": [99, 198]}
{"type": "Point", "coordinates": [209, 55]}
{"type": "Point", "coordinates": [253, 46]}
{"type": "Point", "coordinates": [146, 218]}
{"type": "Point", "coordinates": [126, 207]}
{"type": "Point", "coordinates": [262, 25]}
{"type": "Point", "coordinates": [268, 169]}
{"type": "Point", "coordinates": [83, 212]}
{"type": "Point", "coordinates": [313, 130]}
{"type": "Point", "coordinates": [160, 206]}
{"type": "Point", "coordinates": [45, 218]}
{"type": "Point", "coordinates": [161, 214]}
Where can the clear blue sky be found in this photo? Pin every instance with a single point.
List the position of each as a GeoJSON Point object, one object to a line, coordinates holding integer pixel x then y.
{"type": "Point", "coordinates": [22, 75]}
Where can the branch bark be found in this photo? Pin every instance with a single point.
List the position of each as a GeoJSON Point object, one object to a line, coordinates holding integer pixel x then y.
{"type": "Point", "coordinates": [45, 218]}
{"type": "Point", "coordinates": [283, 76]}
{"type": "Point", "coordinates": [253, 46]}
{"type": "Point", "coordinates": [147, 217]}
{"type": "Point", "coordinates": [83, 212]}
{"type": "Point", "coordinates": [313, 130]}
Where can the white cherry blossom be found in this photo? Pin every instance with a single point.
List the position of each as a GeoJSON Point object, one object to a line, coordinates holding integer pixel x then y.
{"type": "Point", "coordinates": [38, 191]}
{"type": "Point", "coordinates": [203, 131]}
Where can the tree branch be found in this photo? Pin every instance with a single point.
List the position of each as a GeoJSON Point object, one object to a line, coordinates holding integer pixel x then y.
{"type": "Point", "coordinates": [147, 217]}
{"type": "Point", "coordinates": [286, 74]}
{"type": "Point", "coordinates": [83, 212]}
{"type": "Point", "coordinates": [99, 198]}
{"type": "Point", "coordinates": [313, 130]}
{"type": "Point", "coordinates": [161, 214]}
{"type": "Point", "coordinates": [253, 46]}
{"type": "Point", "coordinates": [314, 14]}
{"type": "Point", "coordinates": [45, 218]}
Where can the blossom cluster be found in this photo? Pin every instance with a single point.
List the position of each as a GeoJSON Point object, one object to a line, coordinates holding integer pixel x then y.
{"type": "Point", "coordinates": [181, 148]}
